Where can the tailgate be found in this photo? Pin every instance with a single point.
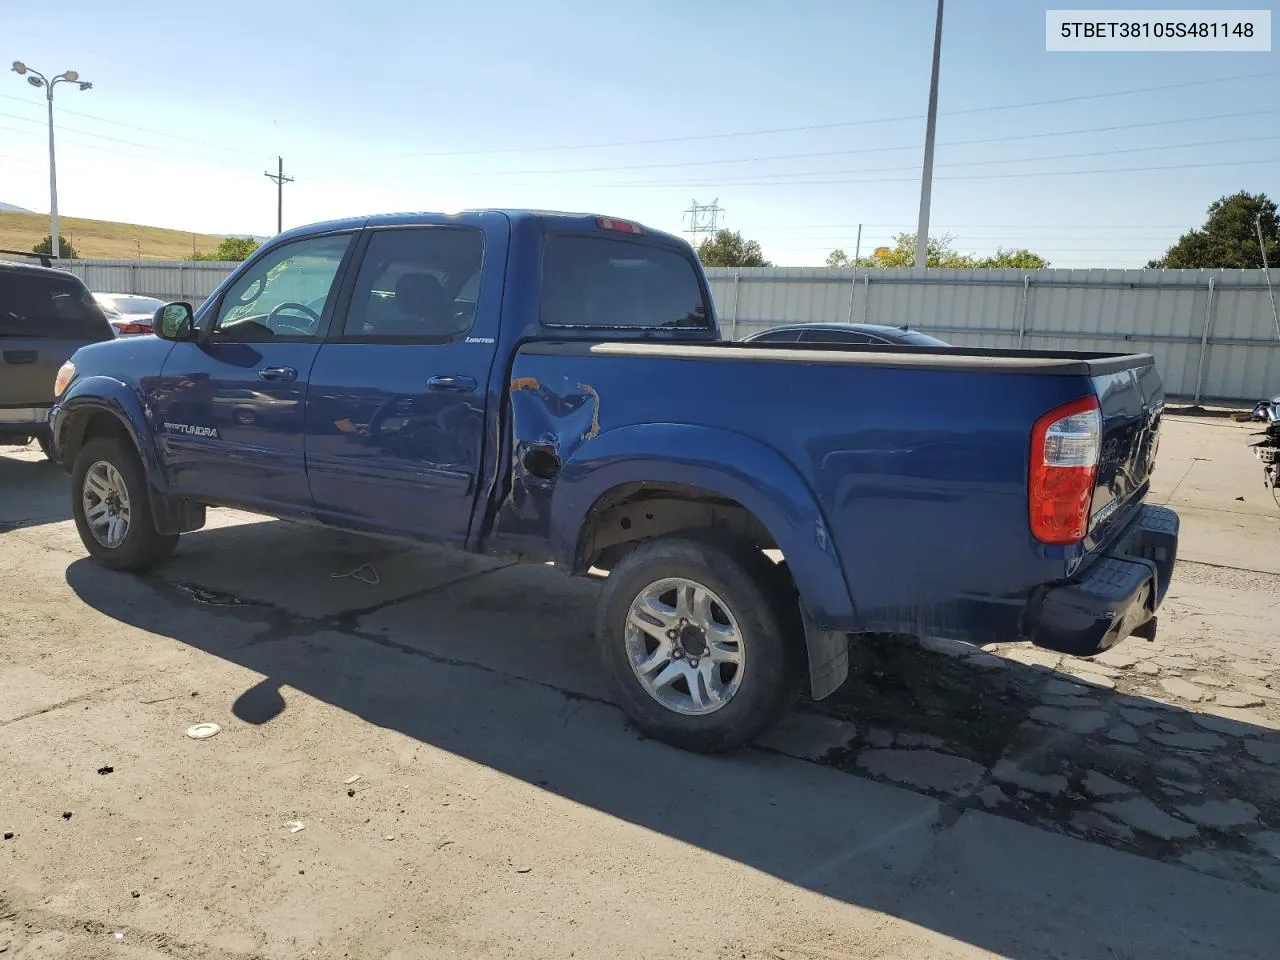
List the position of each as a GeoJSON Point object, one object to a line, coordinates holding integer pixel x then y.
{"type": "Point", "coordinates": [1132, 403]}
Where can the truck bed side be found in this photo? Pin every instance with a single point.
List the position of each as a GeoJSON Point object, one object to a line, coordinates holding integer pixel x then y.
{"type": "Point", "coordinates": [916, 464]}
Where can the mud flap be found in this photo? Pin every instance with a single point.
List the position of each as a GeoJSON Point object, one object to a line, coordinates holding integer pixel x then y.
{"type": "Point", "coordinates": [175, 514]}
{"type": "Point", "coordinates": [828, 652]}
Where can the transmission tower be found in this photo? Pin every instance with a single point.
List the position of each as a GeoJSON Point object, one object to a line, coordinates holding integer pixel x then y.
{"type": "Point", "coordinates": [704, 218]}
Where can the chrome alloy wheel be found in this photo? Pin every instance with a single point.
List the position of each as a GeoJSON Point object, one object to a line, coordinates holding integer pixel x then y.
{"type": "Point", "coordinates": [105, 499]}
{"type": "Point", "coordinates": [684, 646]}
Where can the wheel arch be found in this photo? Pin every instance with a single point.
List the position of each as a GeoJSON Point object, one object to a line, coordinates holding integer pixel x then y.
{"type": "Point", "coordinates": [99, 407]}
{"type": "Point", "coordinates": [702, 478]}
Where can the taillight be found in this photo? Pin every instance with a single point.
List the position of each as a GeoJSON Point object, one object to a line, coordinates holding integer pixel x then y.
{"type": "Point", "coordinates": [1065, 444]}
{"type": "Point", "coordinates": [128, 326]}
{"type": "Point", "coordinates": [621, 226]}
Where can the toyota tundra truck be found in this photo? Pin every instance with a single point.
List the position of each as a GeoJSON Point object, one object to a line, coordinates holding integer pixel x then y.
{"type": "Point", "coordinates": [554, 387]}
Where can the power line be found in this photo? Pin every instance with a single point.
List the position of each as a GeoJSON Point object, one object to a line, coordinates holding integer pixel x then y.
{"type": "Point", "coordinates": [1014, 226]}
{"type": "Point", "coordinates": [862, 150]}
{"type": "Point", "coordinates": [132, 126]}
{"type": "Point", "coordinates": [985, 176]}
{"type": "Point", "coordinates": [968, 163]}
{"type": "Point", "coordinates": [846, 123]}
{"type": "Point", "coordinates": [150, 148]}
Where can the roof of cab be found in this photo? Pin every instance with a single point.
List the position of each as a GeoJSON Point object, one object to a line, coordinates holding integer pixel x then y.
{"type": "Point", "coordinates": [555, 219]}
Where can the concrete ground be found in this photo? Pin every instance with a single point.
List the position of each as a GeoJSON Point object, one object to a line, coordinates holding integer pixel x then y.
{"type": "Point", "coordinates": [947, 802]}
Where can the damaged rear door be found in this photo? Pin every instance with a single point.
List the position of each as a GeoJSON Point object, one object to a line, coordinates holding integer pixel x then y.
{"type": "Point", "coordinates": [396, 411]}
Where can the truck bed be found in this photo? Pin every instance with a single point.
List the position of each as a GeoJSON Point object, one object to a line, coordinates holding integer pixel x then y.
{"type": "Point", "coordinates": [917, 456]}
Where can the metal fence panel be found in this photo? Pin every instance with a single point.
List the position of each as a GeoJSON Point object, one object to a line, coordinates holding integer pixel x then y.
{"type": "Point", "coordinates": [191, 280]}
{"type": "Point", "coordinates": [1161, 312]}
{"type": "Point", "coordinates": [1222, 346]}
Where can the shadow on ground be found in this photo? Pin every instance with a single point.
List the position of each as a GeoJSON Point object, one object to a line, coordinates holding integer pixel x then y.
{"type": "Point", "coordinates": [494, 663]}
{"type": "Point", "coordinates": [38, 487]}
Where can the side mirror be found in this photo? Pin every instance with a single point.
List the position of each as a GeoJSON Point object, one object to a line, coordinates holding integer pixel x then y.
{"type": "Point", "coordinates": [174, 321]}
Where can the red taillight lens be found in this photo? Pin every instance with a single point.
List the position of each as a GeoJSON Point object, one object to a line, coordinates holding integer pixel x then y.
{"type": "Point", "coordinates": [128, 326]}
{"type": "Point", "coordinates": [1065, 444]}
{"type": "Point", "coordinates": [621, 226]}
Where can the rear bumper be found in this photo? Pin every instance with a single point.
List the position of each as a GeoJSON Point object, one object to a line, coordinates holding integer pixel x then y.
{"type": "Point", "coordinates": [1118, 594]}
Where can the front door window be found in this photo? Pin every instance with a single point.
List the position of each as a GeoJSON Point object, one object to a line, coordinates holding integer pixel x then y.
{"type": "Point", "coordinates": [284, 294]}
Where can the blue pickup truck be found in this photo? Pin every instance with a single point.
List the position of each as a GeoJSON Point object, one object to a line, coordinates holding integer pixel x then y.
{"type": "Point", "coordinates": [554, 387]}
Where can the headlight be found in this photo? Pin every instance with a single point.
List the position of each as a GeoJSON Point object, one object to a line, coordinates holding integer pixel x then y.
{"type": "Point", "coordinates": [66, 373]}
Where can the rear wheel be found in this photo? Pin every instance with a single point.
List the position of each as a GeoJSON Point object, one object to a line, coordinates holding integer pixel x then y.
{"type": "Point", "coordinates": [691, 633]}
{"type": "Point", "coordinates": [112, 508]}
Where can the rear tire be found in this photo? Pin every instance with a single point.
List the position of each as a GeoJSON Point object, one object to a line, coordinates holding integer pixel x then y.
{"type": "Point", "coordinates": [111, 502]}
{"type": "Point", "coordinates": [692, 635]}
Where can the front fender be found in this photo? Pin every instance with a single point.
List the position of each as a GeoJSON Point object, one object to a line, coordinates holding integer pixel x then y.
{"type": "Point", "coordinates": [724, 463]}
{"type": "Point", "coordinates": [104, 394]}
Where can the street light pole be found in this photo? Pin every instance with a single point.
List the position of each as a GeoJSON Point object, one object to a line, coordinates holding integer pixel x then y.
{"type": "Point", "coordinates": [37, 79]}
{"type": "Point", "coordinates": [926, 176]}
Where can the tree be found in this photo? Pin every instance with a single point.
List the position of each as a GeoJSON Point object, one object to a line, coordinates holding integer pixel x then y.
{"type": "Point", "coordinates": [940, 253]}
{"type": "Point", "coordinates": [903, 254]}
{"type": "Point", "coordinates": [728, 249]}
{"type": "Point", "coordinates": [1229, 237]}
{"type": "Point", "coordinates": [230, 249]}
{"type": "Point", "coordinates": [1020, 259]}
{"type": "Point", "coordinates": [65, 250]}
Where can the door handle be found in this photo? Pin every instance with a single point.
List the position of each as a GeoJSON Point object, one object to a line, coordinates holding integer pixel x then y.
{"type": "Point", "coordinates": [282, 374]}
{"type": "Point", "coordinates": [452, 383]}
{"type": "Point", "coordinates": [20, 356]}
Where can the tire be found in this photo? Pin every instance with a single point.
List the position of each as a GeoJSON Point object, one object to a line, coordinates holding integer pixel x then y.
{"type": "Point", "coordinates": [115, 465]}
{"type": "Point", "coordinates": [744, 601]}
{"type": "Point", "coordinates": [46, 447]}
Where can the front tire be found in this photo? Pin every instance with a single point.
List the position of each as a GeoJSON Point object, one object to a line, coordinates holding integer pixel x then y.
{"type": "Point", "coordinates": [691, 634]}
{"type": "Point", "coordinates": [111, 503]}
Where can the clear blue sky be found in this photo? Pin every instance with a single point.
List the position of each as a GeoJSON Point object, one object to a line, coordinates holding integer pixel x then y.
{"type": "Point", "coordinates": [441, 105]}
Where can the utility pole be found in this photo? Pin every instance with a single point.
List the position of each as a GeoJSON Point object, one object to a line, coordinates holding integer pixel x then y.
{"type": "Point", "coordinates": [1266, 271]}
{"type": "Point", "coordinates": [38, 80]}
{"type": "Point", "coordinates": [280, 180]}
{"type": "Point", "coordinates": [926, 176]}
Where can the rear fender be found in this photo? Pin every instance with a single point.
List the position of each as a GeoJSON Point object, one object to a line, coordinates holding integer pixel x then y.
{"type": "Point", "coordinates": [738, 468]}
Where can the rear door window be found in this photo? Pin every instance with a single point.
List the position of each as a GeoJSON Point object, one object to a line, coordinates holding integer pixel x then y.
{"type": "Point", "coordinates": [417, 283]}
{"type": "Point", "coordinates": [48, 307]}
{"type": "Point", "coordinates": [619, 284]}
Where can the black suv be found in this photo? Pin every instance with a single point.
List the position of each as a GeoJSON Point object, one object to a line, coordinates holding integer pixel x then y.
{"type": "Point", "coordinates": [46, 315]}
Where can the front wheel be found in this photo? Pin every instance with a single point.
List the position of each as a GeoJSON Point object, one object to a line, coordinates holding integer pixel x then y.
{"type": "Point", "coordinates": [691, 633]}
{"type": "Point", "coordinates": [112, 508]}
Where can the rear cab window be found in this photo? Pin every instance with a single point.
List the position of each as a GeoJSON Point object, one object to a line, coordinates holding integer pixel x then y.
{"type": "Point", "coordinates": [49, 307]}
{"type": "Point", "coordinates": [613, 284]}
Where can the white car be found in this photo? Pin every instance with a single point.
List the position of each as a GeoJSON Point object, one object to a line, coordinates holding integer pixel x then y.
{"type": "Point", "coordinates": [129, 313]}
